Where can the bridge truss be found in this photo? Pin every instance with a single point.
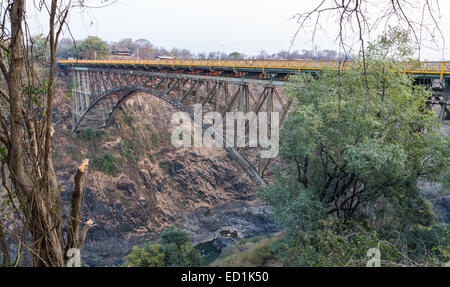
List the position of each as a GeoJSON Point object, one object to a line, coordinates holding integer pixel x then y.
{"type": "Point", "coordinates": [99, 93]}
{"type": "Point", "coordinates": [100, 88]}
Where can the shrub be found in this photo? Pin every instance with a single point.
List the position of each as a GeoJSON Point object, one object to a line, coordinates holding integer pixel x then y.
{"type": "Point", "coordinates": [433, 241]}
{"type": "Point", "coordinates": [89, 134]}
{"type": "Point", "coordinates": [175, 250]}
{"type": "Point", "coordinates": [248, 253]}
{"type": "Point", "coordinates": [105, 162]}
{"type": "Point", "coordinates": [334, 244]}
{"type": "Point", "coordinates": [174, 235]}
{"type": "Point", "coordinates": [148, 255]}
{"type": "Point", "coordinates": [127, 151]}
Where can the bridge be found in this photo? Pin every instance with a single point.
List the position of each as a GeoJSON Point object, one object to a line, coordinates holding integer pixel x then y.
{"type": "Point", "coordinates": [100, 87]}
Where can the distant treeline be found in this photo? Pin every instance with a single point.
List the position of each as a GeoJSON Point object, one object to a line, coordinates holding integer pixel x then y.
{"type": "Point", "coordinates": [96, 48]}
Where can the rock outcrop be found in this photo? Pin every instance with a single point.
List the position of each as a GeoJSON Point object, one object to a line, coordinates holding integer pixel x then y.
{"type": "Point", "coordinates": [149, 184]}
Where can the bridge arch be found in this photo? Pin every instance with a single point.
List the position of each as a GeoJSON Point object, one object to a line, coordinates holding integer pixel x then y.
{"type": "Point", "coordinates": [124, 93]}
{"type": "Point", "coordinates": [127, 92]}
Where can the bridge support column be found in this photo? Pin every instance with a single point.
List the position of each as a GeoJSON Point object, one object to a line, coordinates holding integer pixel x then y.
{"type": "Point", "coordinates": [74, 99]}
{"type": "Point", "coordinates": [78, 96]}
{"type": "Point", "coordinates": [445, 109]}
{"type": "Point", "coordinates": [217, 100]}
{"type": "Point", "coordinates": [264, 162]}
{"type": "Point", "coordinates": [87, 90]}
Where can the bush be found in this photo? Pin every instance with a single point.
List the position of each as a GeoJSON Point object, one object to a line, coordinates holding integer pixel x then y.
{"type": "Point", "coordinates": [89, 134]}
{"type": "Point", "coordinates": [337, 245]}
{"type": "Point", "coordinates": [105, 162]}
{"type": "Point", "coordinates": [148, 255]}
{"type": "Point", "coordinates": [174, 235]}
{"type": "Point", "coordinates": [254, 252]}
{"type": "Point", "coordinates": [175, 250]}
{"type": "Point", "coordinates": [433, 241]}
{"type": "Point", "coordinates": [127, 151]}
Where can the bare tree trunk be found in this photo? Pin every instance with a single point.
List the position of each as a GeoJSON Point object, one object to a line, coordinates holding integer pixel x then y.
{"type": "Point", "coordinates": [6, 258]}
{"type": "Point", "coordinates": [77, 201]}
{"type": "Point", "coordinates": [30, 160]}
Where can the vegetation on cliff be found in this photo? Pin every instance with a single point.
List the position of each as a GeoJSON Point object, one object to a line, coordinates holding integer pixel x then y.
{"type": "Point", "coordinates": [174, 250]}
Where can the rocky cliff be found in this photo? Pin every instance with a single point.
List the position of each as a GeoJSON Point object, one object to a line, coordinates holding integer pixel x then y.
{"type": "Point", "coordinates": [139, 184]}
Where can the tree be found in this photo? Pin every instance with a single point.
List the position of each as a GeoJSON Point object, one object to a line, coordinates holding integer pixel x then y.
{"type": "Point", "coordinates": [93, 48]}
{"type": "Point", "coordinates": [129, 44]}
{"type": "Point", "coordinates": [32, 193]}
{"type": "Point", "coordinates": [149, 255]}
{"type": "Point", "coordinates": [175, 236]}
{"type": "Point", "coordinates": [357, 143]}
{"type": "Point", "coordinates": [262, 55]}
{"type": "Point", "coordinates": [145, 48]}
{"type": "Point", "coordinates": [143, 43]}
{"type": "Point", "coordinates": [327, 55]}
{"type": "Point", "coordinates": [67, 48]}
{"type": "Point", "coordinates": [235, 56]}
{"type": "Point", "coordinates": [175, 250]}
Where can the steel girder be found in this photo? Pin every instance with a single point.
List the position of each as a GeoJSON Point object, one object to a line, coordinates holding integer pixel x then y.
{"type": "Point", "coordinates": [98, 93]}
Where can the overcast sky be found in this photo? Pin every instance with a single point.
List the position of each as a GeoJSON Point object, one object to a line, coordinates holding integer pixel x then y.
{"type": "Point", "coordinates": [246, 26]}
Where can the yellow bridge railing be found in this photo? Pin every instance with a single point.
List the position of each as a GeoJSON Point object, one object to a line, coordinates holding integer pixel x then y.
{"type": "Point", "coordinates": [436, 68]}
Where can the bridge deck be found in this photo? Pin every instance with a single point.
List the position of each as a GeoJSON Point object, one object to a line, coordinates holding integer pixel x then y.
{"type": "Point", "coordinates": [439, 70]}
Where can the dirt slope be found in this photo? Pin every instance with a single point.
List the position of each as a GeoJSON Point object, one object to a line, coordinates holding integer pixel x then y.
{"type": "Point", "coordinates": [138, 183]}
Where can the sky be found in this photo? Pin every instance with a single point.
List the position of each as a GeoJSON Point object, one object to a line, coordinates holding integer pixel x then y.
{"type": "Point", "coordinates": [246, 26]}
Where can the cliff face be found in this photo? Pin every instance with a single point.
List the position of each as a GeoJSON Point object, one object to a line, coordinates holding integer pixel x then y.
{"type": "Point", "coordinates": [138, 183]}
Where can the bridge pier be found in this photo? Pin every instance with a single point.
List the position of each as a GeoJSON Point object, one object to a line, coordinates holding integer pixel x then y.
{"type": "Point", "coordinates": [445, 108]}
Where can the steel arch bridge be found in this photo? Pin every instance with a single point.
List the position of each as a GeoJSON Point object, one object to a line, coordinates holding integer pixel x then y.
{"type": "Point", "coordinates": [100, 87]}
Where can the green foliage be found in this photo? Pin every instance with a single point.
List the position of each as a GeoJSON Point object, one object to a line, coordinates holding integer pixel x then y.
{"type": "Point", "coordinates": [127, 151]}
{"type": "Point", "coordinates": [37, 93]}
{"type": "Point", "coordinates": [174, 235]}
{"type": "Point", "coordinates": [149, 255]}
{"type": "Point", "coordinates": [3, 151]}
{"type": "Point", "coordinates": [138, 140]}
{"type": "Point", "coordinates": [252, 252]}
{"type": "Point", "coordinates": [355, 139]}
{"type": "Point", "coordinates": [105, 162]}
{"type": "Point", "coordinates": [165, 166]}
{"type": "Point", "coordinates": [74, 153]}
{"type": "Point", "coordinates": [433, 240]}
{"type": "Point", "coordinates": [357, 143]}
{"type": "Point", "coordinates": [175, 250]}
{"type": "Point", "coordinates": [330, 245]}
{"type": "Point", "coordinates": [93, 48]}
{"type": "Point", "coordinates": [89, 134]}
{"type": "Point", "coordinates": [209, 251]}
{"type": "Point", "coordinates": [184, 255]}
{"type": "Point", "coordinates": [394, 45]}
{"type": "Point", "coordinates": [235, 56]}
{"type": "Point", "coordinates": [337, 245]}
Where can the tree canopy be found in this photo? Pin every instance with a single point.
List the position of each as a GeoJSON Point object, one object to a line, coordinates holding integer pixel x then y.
{"type": "Point", "coordinates": [357, 143]}
{"type": "Point", "coordinates": [174, 250]}
{"type": "Point", "coordinates": [93, 48]}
